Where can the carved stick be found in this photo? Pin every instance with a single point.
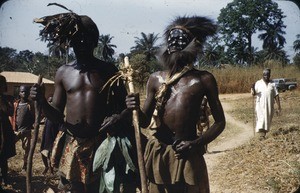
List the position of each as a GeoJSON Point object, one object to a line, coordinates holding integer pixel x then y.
{"type": "Point", "coordinates": [135, 121]}
{"type": "Point", "coordinates": [37, 108]}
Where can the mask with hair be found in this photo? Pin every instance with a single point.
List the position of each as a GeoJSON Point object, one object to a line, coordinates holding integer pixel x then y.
{"type": "Point", "coordinates": [184, 39]}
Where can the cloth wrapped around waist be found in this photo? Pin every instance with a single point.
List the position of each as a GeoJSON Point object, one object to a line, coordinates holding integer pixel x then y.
{"type": "Point", "coordinates": [162, 167]}
{"type": "Point", "coordinates": [81, 130]}
{"type": "Point", "coordinates": [168, 137]}
{"type": "Point", "coordinates": [73, 156]}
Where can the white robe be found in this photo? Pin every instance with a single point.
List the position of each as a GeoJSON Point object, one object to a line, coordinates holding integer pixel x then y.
{"type": "Point", "coordinates": [265, 99]}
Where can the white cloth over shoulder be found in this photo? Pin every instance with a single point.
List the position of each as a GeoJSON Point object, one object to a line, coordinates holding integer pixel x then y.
{"type": "Point", "coordinates": [265, 99]}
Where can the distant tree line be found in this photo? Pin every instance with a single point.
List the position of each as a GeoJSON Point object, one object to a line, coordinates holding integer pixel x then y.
{"type": "Point", "coordinates": [238, 22]}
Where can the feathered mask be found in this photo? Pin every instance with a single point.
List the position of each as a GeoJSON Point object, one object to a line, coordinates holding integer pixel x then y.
{"type": "Point", "coordinates": [61, 28]}
{"type": "Point", "coordinates": [184, 39]}
{"type": "Point", "coordinates": [183, 30]}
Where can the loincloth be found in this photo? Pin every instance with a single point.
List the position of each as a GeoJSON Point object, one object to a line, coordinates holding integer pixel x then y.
{"type": "Point", "coordinates": [163, 168]}
{"type": "Point", "coordinates": [74, 157]}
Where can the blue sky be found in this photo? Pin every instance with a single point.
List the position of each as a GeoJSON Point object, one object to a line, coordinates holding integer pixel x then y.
{"type": "Point", "coordinates": [123, 19]}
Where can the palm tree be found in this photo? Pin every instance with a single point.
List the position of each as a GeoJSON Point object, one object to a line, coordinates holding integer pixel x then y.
{"type": "Point", "coordinates": [273, 37]}
{"type": "Point", "coordinates": [273, 42]}
{"type": "Point", "coordinates": [277, 54]}
{"type": "Point", "coordinates": [146, 45]}
{"type": "Point", "coordinates": [57, 50]}
{"type": "Point", "coordinates": [210, 54]}
{"type": "Point", "coordinates": [296, 44]}
{"type": "Point", "coordinates": [106, 49]}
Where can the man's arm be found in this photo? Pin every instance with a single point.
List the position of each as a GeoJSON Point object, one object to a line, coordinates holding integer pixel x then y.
{"type": "Point", "coordinates": [53, 112]}
{"type": "Point", "coordinates": [133, 102]}
{"type": "Point", "coordinates": [118, 113]}
{"type": "Point", "coordinates": [211, 92]}
{"type": "Point", "coordinates": [278, 102]}
{"type": "Point", "coordinates": [253, 90]}
{"type": "Point", "coordinates": [216, 108]}
{"type": "Point", "coordinates": [10, 108]}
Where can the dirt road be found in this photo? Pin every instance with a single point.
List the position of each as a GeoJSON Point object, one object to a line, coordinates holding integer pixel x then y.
{"type": "Point", "coordinates": [220, 149]}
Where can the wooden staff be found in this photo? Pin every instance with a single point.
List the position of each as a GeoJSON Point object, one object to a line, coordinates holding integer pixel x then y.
{"type": "Point", "coordinates": [37, 108]}
{"type": "Point", "coordinates": [253, 106]}
{"type": "Point", "coordinates": [135, 121]}
{"type": "Point", "coordinates": [254, 115]}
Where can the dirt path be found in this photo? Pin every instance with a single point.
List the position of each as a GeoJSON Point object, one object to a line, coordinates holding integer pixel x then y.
{"type": "Point", "coordinates": [220, 149]}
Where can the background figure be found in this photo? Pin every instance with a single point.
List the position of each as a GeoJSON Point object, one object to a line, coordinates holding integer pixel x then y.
{"type": "Point", "coordinates": [7, 137]}
{"type": "Point", "coordinates": [266, 95]}
{"type": "Point", "coordinates": [22, 121]}
{"type": "Point", "coordinates": [80, 92]}
{"type": "Point", "coordinates": [49, 134]}
{"type": "Point", "coordinates": [174, 154]}
{"type": "Point", "coordinates": [203, 123]}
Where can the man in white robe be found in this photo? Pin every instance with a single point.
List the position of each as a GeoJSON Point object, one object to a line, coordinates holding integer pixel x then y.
{"type": "Point", "coordinates": [266, 95]}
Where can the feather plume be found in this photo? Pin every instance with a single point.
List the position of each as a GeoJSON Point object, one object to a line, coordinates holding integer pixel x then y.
{"type": "Point", "coordinates": [59, 5]}
{"type": "Point", "coordinates": [60, 28]}
{"type": "Point", "coordinates": [197, 27]}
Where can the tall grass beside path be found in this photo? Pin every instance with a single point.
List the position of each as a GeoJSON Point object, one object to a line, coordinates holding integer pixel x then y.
{"type": "Point", "coordinates": [232, 79]}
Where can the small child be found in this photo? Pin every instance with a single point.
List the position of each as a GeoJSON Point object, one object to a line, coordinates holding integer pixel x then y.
{"type": "Point", "coordinates": [23, 120]}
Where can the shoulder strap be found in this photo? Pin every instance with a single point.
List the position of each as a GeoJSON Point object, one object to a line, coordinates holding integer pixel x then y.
{"type": "Point", "coordinates": [160, 95]}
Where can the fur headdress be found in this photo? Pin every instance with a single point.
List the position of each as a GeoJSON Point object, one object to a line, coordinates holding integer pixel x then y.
{"type": "Point", "coordinates": [196, 30]}
{"type": "Point", "coordinates": [61, 28]}
{"type": "Point", "coordinates": [196, 27]}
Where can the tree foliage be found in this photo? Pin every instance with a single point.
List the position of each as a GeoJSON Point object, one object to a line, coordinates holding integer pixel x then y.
{"type": "Point", "coordinates": [27, 61]}
{"type": "Point", "coordinates": [138, 63]}
{"type": "Point", "coordinates": [296, 44]}
{"type": "Point", "coordinates": [143, 68]}
{"type": "Point", "coordinates": [58, 51]}
{"type": "Point", "coordinates": [145, 45]}
{"type": "Point", "coordinates": [240, 20]}
{"type": "Point", "coordinates": [105, 49]}
{"type": "Point", "coordinates": [8, 59]}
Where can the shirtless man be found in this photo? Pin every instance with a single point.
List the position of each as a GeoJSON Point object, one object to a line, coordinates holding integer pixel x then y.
{"type": "Point", "coordinates": [77, 88]}
{"type": "Point", "coordinates": [174, 155]}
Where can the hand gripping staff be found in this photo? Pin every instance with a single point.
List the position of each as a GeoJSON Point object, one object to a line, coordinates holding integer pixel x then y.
{"type": "Point", "coordinates": [37, 108]}
{"type": "Point", "coordinates": [135, 121]}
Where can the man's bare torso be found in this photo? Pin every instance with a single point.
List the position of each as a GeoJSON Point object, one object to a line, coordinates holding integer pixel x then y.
{"type": "Point", "coordinates": [182, 109]}
{"type": "Point", "coordinates": [80, 92]}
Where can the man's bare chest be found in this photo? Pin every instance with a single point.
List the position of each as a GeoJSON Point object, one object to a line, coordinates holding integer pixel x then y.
{"type": "Point", "coordinates": [185, 92]}
{"type": "Point", "coordinates": [84, 82]}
